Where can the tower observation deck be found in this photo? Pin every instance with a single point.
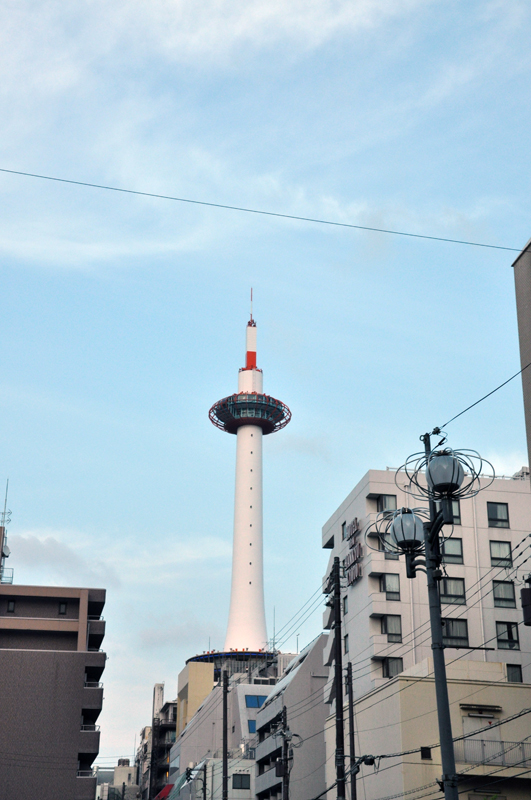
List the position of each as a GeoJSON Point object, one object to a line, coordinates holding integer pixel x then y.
{"type": "Point", "coordinates": [250, 414]}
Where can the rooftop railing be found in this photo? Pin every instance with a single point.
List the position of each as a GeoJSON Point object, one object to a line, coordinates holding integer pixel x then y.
{"type": "Point", "coordinates": [481, 751]}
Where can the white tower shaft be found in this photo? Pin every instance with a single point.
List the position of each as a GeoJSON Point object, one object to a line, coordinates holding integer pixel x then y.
{"type": "Point", "coordinates": [247, 625]}
{"type": "Point", "coordinates": [250, 414]}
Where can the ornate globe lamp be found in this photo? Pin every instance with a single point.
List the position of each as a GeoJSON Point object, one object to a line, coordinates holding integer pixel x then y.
{"type": "Point", "coordinates": [407, 531]}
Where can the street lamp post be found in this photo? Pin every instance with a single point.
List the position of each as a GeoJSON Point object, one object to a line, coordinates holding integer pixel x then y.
{"type": "Point", "coordinates": [449, 475]}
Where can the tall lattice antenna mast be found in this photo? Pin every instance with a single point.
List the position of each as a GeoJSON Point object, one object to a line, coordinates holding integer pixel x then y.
{"type": "Point", "coordinates": [6, 575]}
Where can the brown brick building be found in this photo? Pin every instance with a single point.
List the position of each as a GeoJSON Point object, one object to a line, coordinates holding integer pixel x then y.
{"type": "Point", "coordinates": [50, 691]}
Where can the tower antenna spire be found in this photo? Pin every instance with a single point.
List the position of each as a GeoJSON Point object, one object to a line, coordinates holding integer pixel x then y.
{"type": "Point", "coordinates": [251, 304]}
{"type": "Point", "coordinates": [5, 504]}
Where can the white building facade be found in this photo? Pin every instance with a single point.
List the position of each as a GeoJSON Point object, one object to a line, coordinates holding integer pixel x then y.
{"type": "Point", "coordinates": [385, 615]}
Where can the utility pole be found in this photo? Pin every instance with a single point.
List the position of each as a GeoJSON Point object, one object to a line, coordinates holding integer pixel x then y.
{"type": "Point", "coordinates": [225, 779]}
{"type": "Point", "coordinates": [338, 666]}
{"type": "Point", "coordinates": [433, 560]}
{"type": "Point", "coordinates": [352, 748]}
{"type": "Point", "coordinates": [285, 755]}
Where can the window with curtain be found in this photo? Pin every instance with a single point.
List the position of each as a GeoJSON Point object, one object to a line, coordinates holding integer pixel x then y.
{"type": "Point", "coordinates": [514, 673]}
{"type": "Point", "coordinates": [456, 511]}
{"type": "Point", "coordinates": [392, 626]}
{"type": "Point", "coordinates": [500, 554]}
{"type": "Point", "coordinates": [503, 592]}
{"type": "Point", "coordinates": [386, 502]}
{"type": "Point", "coordinates": [386, 543]}
{"type": "Point", "coordinates": [453, 591]}
{"type": "Point", "coordinates": [498, 515]}
{"type": "Point", "coordinates": [507, 636]}
{"type": "Point", "coordinates": [452, 551]}
{"type": "Point", "coordinates": [392, 667]}
{"type": "Point", "coordinates": [455, 632]}
{"type": "Point", "coordinates": [390, 584]}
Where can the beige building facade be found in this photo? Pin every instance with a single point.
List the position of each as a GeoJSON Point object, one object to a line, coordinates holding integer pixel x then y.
{"type": "Point", "coordinates": [386, 630]}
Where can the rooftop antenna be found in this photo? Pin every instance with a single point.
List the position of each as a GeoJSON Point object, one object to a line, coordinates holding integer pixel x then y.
{"type": "Point", "coordinates": [6, 576]}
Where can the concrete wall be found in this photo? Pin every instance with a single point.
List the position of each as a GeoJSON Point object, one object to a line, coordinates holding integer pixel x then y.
{"type": "Point", "coordinates": [401, 716]}
{"type": "Point", "coordinates": [43, 697]}
{"type": "Point", "coordinates": [48, 731]}
{"type": "Point", "coordinates": [194, 684]}
{"type": "Point", "coordinates": [522, 278]}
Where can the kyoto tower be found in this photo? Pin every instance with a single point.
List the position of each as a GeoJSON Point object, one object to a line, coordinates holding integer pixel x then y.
{"type": "Point", "coordinates": [249, 414]}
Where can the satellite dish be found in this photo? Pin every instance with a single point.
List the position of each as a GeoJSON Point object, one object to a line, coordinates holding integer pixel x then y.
{"type": "Point", "coordinates": [6, 552]}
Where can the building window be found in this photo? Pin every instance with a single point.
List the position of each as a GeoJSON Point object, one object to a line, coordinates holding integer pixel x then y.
{"type": "Point", "coordinates": [390, 584]}
{"type": "Point", "coordinates": [503, 592]}
{"type": "Point", "coordinates": [498, 515]}
{"type": "Point", "coordinates": [345, 643]}
{"type": "Point", "coordinates": [452, 551]}
{"type": "Point", "coordinates": [514, 673]}
{"type": "Point", "coordinates": [453, 591]}
{"type": "Point", "coordinates": [500, 554]}
{"type": "Point", "coordinates": [343, 531]}
{"type": "Point", "coordinates": [456, 511]}
{"type": "Point", "coordinates": [252, 725]}
{"type": "Point", "coordinates": [392, 626]}
{"type": "Point", "coordinates": [10, 606]}
{"type": "Point", "coordinates": [386, 502]}
{"type": "Point", "coordinates": [345, 605]}
{"type": "Point", "coordinates": [507, 636]}
{"type": "Point", "coordinates": [62, 609]}
{"type": "Point", "coordinates": [241, 780]}
{"type": "Point", "coordinates": [455, 632]}
{"type": "Point", "coordinates": [392, 667]}
{"type": "Point", "coordinates": [386, 543]}
{"type": "Point", "coordinates": [255, 700]}
{"type": "Point", "coordinates": [425, 752]}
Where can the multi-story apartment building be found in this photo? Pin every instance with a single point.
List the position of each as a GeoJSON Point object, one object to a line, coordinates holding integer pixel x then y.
{"type": "Point", "coordinates": [293, 713]}
{"type": "Point", "coordinates": [385, 615]}
{"type": "Point", "coordinates": [50, 669]}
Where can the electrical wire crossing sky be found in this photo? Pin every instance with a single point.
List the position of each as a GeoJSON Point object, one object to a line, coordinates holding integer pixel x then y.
{"type": "Point", "coordinates": [249, 414]}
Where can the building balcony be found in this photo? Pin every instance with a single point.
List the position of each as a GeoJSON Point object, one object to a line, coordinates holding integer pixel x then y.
{"type": "Point", "coordinates": [85, 785]}
{"type": "Point", "coordinates": [96, 632]}
{"type": "Point", "coordinates": [165, 724]}
{"type": "Point", "coordinates": [480, 751]}
{"type": "Point", "coordinates": [93, 696]}
{"type": "Point", "coordinates": [267, 781]}
{"type": "Point", "coordinates": [89, 739]}
{"type": "Point", "coordinates": [268, 746]}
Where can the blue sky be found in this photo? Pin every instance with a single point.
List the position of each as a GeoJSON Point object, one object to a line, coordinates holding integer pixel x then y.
{"type": "Point", "coordinates": [123, 318]}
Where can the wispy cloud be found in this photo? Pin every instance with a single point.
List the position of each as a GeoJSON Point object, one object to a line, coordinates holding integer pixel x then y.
{"type": "Point", "coordinates": [71, 557]}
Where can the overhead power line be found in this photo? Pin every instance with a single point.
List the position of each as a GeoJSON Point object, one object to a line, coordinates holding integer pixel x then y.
{"type": "Point", "coordinates": [258, 211]}
{"type": "Point", "coordinates": [516, 374]}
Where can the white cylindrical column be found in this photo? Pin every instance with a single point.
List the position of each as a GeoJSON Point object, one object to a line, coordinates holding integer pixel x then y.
{"type": "Point", "coordinates": [247, 625]}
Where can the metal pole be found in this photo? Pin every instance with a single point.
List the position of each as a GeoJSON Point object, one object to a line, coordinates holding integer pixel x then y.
{"type": "Point", "coordinates": [449, 777]}
{"type": "Point", "coordinates": [353, 794]}
{"type": "Point", "coordinates": [338, 659]}
{"type": "Point", "coordinates": [225, 789]}
{"type": "Point", "coordinates": [285, 756]}
{"type": "Point", "coordinates": [205, 780]}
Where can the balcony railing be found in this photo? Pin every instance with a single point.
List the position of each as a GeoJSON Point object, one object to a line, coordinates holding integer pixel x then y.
{"type": "Point", "coordinates": [93, 685]}
{"type": "Point", "coordinates": [507, 754]}
{"type": "Point", "coordinates": [85, 773]}
{"type": "Point", "coordinates": [90, 727]}
{"type": "Point", "coordinates": [6, 575]}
